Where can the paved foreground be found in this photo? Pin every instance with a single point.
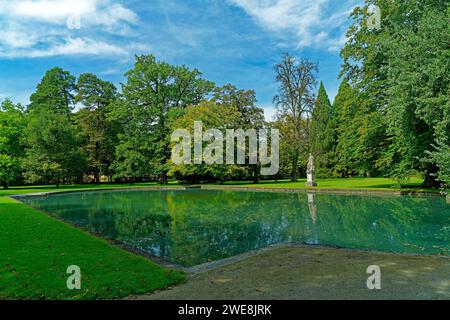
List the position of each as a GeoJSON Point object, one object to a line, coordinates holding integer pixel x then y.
{"type": "Point", "coordinates": [292, 272]}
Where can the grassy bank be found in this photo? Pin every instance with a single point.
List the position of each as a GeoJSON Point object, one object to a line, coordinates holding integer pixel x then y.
{"type": "Point", "coordinates": [342, 184]}
{"type": "Point", "coordinates": [383, 184]}
{"type": "Point", "coordinates": [36, 250]}
{"type": "Point", "coordinates": [51, 188]}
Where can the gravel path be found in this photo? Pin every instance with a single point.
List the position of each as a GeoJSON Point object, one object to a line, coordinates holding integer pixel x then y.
{"type": "Point", "coordinates": [293, 272]}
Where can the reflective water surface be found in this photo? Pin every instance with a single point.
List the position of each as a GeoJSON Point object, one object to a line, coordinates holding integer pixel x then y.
{"type": "Point", "coordinates": [190, 227]}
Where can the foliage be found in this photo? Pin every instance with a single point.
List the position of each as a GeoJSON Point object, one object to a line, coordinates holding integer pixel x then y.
{"type": "Point", "coordinates": [155, 92]}
{"type": "Point", "coordinates": [401, 73]}
{"type": "Point", "coordinates": [97, 133]}
{"type": "Point", "coordinates": [390, 117]}
{"type": "Point", "coordinates": [295, 102]}
{"type": "Point", "coordinates": [12, 124]}
{"type": "Point", "coordinates": [213, 116]}
{"type": "Point", "coordinates": [52, 153]}
{"type": "Point", "coordinates": [322, 134]}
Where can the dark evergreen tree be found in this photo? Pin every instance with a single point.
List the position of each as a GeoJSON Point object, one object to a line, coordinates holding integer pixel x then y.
{"type": "Point", "coordinates": [52, 152]}
{"type": "Point", "coordinates": [323, 134]}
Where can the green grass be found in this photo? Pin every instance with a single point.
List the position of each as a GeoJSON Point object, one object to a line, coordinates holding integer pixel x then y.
{"type": "Point", "coordinates": [351, 183]}
{"type": "Point", "coordinates": [51, 188]}
{"type": "Point", "coordinates": [35, 251]}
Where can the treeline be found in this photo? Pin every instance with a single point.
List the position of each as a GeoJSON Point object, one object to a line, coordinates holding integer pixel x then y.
{"type": "Point", "coordinates": [118, 136]}
{"type": "Point", "coordinates": [391, 116]}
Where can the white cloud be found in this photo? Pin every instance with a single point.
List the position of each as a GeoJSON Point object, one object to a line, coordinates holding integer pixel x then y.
{"type": "Point", "coordinates": [48, 10]}
{"type": "Point", "coordinates": [37, 28]}
{"type": "Point", "coordinates": [93, 12]}
{"type": "Point", "coordinates": [79, 46]}
{"type": "Point", "coordinates": [76, 46]}
{"type": "Point", "coordinates": [307, 20]}
{"type": "Point", "coordinates": [17, 39]}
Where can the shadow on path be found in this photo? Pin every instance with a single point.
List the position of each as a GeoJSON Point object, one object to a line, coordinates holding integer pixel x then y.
{"type": "Point", "coordinates": [318, 273]}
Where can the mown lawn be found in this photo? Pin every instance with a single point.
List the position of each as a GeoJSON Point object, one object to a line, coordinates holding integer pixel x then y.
{"type": "Point", "coordinates": [351, 183]}
{"type": "Point", "coordinates": [36, 250]}
{"type": "Point", "coordinates": [51, 188]}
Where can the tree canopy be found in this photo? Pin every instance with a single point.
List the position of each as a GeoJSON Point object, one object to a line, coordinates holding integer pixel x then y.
{"type": "Point", "coordinates": [390, 117]}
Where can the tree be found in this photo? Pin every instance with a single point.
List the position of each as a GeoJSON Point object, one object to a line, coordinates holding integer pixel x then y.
{"type": "Point", "coordinates": [285, 125]}
{"type": "Point", "coordinates": [52, 152]}
{"type": "Point", "coordinates": [251, 116]}
{"type": "Point", "coordinates": [401, 73]}
{"type": "Point", "coordinates": [213, 116]}
{"type": "Point", "coordinates": [419, 85]}
{"type": "Point", "coordinates": [358, 133]}
{"type": "Point", "coordinates": [442, 158]}
{"type": "Point", "coordinates": [12, 149]}
{"type": "Point", "coordinates": [154, 93]}
{"type": "Point", "coordinates": [96, 131]}
{"type": "Point", "coordinates": [323, 134]}
{"type": "Point", "coordinates": [295, 102]}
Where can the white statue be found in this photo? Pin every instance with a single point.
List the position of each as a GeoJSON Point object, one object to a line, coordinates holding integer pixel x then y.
{"type": "Point", "coordinates": [310, 172]}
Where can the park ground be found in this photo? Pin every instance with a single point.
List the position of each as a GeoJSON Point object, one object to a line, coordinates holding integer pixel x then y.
{"type": "Point", "coordinates": [314, 273]}
{"type": "Point", "coordinates": [37, 249]}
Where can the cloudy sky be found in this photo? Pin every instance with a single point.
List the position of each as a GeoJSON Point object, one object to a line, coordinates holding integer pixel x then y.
{"type": "Point", "coordinates": [230, 41]}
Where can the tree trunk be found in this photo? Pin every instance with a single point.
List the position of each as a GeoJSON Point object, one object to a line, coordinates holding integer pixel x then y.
{"type": "Point", "coordinates": [5, 185]}
{"type": "Point", "coordinates": [57, 183]}
{"type": "Point", "coordinates": [255, 169]}
{"type": "Point", "coordinates": [430, 178]}
{"type": "Point", "coordinates": [294, 169]}
{"type": "Point", "coordinates": [97, 177]}
{"type": "Point", "coordinates": [163, 177]}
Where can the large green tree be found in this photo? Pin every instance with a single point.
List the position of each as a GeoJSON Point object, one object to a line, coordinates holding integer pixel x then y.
{"type": "Point", "coordinates": [322, 134]}
{"type": "Point", "coordinates": [401, 73]}
{"type": "Point", "coordinates": [250, 115]}
{"type": "Point", "coordinates": [12, 148]}
{"type": "Point", "coordinates": [154, 93]}
{"type": "Point", "coordinates": [419, 85]}
{"type": "Point", "coordinates": [295, 102]}
{"type": "Point", "coordinates": [52, 153]}
{"type": "Point", "coordinates": [360, 133]}
{"type": "Point", "coordinates": [96, 131]}
{"type": "Point", "coordinates": [213, 116]}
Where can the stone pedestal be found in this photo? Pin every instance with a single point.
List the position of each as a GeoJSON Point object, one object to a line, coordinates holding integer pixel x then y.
{"type": "Point", "coordinates": [310, 180]}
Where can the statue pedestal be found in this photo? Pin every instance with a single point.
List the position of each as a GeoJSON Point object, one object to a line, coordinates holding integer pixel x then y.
{"type": "Point", "coordinates": [310, 180]}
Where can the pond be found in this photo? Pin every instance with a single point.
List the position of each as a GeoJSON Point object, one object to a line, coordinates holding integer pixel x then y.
{"type": "Point", "coordinates": [190, 227]}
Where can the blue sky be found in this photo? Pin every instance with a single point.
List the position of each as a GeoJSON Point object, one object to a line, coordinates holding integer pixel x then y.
{"type": "Point", "coordinates": [230, 41]}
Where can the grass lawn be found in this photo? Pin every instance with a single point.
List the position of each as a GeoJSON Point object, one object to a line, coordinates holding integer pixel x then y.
{"type": "Point", "coordinates": [35, 251]}
{"type": "Point", "coordinates": [51, 188]}
{"type": "Point", "coordinates": [351, 183]}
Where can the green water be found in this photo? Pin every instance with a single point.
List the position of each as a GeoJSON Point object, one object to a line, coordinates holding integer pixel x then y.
{"type": "Point", "coordinates": [196, 226]}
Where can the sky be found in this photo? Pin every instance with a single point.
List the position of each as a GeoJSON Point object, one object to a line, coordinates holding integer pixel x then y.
{"type": "Point", "coordinates": [229, 41]}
